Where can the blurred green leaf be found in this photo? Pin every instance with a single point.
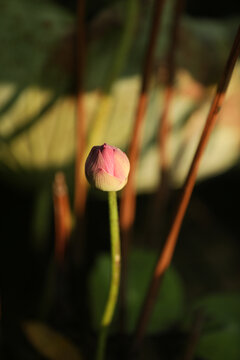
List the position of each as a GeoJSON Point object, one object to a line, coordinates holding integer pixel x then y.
{"type": "Point", "coordinates": [169, 307]}
{"type": "Point", "coordinates": [50, 343]}
{"type": "Point", "coordinates": [221, 309]}
{"type": "Point", "coordinates": [99, 282]}
{"type": "Point", "coordinates": [222, 344]}
{"type": "Point", "coordinates": [170, 302]}
{"type": "Point", "coordinates": [221, 327]}
{"type": "Point", "coordinates": [28, 32]}
{"type": "Point", "coordinates": [37, 124]}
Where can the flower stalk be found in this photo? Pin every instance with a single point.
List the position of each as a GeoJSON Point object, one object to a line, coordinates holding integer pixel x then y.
{"type": "Point", "coordinates": [128, 202]}
{"type": "Point", "coordinates": [107, 169]}
{"type": "Point", "coordinates": [62, 216]}
{"type": "Point", "coordinates": [80, 188]}
{"type": "Point", "coordinates": [115, 278]}
{"type": "Point", "coordinates": [166, 255]}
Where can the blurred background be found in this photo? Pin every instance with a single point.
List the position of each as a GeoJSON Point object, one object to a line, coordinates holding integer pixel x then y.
{"type": "Point", "coordinates": [50, 311]}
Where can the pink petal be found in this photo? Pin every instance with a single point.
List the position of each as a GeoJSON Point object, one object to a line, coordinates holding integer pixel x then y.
{"type": "Point", "coordinates": [108, 157]}
{"type": "Point", "coordinates": [122, 165]}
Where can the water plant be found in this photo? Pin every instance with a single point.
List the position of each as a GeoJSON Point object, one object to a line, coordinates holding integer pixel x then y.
{"type": "Point", "coordinates": [107, 169]}
{"type": "Point", "coordinates": [140, 75]}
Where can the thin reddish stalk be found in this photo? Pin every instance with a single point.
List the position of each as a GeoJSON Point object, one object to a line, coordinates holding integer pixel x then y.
{"type": "Point", "coordinates": [164, 128]}
{"type": "Point", "coordinates": [127, 205]}
{"type": "Point", "coordinates": [80, 184]}
{"type": "Point", "coordinates": [194, 335]}
{"type": "Point", "coordinates": [164, 125]}
{"type": "Point", "coordinates": [159, 202]}
{"type": "Point", "coordinates": [128, 201]}
{"type": "Point", "coordinates": [62, 216]}
{"type": "Point", "coordinates": [127, 208]}
{"type": "Point", "coordinates": [167, 253]}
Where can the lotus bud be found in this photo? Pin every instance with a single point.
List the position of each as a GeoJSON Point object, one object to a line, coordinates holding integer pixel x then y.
{"type": "Point", "coordinates": [107, 168]}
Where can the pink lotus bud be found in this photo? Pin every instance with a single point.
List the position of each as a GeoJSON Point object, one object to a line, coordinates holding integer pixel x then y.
{"type": "Point", "coordinates": [107, 168]}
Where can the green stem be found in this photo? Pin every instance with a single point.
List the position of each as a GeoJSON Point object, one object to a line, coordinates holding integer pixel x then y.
{"type": "Point", "coordinates": [115, 279]}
